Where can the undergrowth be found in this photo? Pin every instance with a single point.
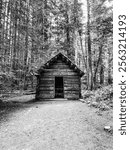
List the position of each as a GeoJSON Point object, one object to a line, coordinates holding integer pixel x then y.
{"type": "Point", "coordinates": [101, 97]}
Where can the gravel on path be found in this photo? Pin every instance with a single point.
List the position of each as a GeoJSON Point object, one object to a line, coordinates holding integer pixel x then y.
{"type": "Point", "coordinates": [55, 125]}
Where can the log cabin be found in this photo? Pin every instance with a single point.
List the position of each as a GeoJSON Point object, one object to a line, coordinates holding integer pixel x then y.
{"type": "Point", "coordinates": [59, 78]}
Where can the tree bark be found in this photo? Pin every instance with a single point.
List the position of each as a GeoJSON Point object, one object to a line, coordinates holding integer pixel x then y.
{"type": "Point", "coordinates": [15, 37]}
{"type": "Point", "coordinates": [89, 46]}
{"type": "Point", "coordinates": [97, 64]}
{"type": "Point", "coordinates": [26, 47]}
{"type": "Point", "coordinates": [109, 68]}
{"type": "Point", "coordinates": [102, 74]}
{"type": "Point", "coordinates": [67, 31]}
{"type": "Point", "coordinates": [1, 3]}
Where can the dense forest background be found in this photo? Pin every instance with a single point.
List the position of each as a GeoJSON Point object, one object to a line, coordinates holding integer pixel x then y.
{"type": "Point", "coordinates": [32, 31]}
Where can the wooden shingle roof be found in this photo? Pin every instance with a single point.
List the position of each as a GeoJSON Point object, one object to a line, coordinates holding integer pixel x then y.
{"type": "Point", "coordinates": [63, 58]}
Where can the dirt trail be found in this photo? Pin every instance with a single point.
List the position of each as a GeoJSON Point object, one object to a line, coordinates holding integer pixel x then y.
{"type": "Point", "coordinates": [55, 125]}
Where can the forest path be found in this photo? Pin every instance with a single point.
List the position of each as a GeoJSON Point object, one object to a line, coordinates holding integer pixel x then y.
{"type": "Point", "coordinates": [55, 125]}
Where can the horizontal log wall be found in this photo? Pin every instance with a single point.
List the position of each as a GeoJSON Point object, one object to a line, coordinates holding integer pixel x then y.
{"type": "Point", "coordinates": [45, 87]}
{"type": "Point", "coordinates": [71, 87]}
{"type": "Point", "coordinates": [71, 79]}
{"type": "Point", "coordinates": [59, 64]}
{"type": "Point", "coordinates": [58, 72]}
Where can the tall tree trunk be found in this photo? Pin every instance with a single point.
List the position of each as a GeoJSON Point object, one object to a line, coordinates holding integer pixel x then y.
{"type": "Point", "coordinates": [109, 67]}
{"type": "Point", "coordinates": [11, 37]}
{"type": "Point", "coordinates": [18, 44]}
{"type": "Point", "coordinates": [97, 65]}
{"type": "Point", "coordinates": [68, 36]}
{"type": "Point", "coordinates": [86, 58]}
{"type": "Point", "coordinates": [102, 74]}
{"type": "Point", "coordinates": [45, 24]}
{"type": "Point", "coordinates": [85, 64]}
{"type": "Point", "coordinates": [15, 37]}
{"type": "Point", "coordinates": [3, 42]}
{"type": "Point", "coordinates": [6, 52]}
{"type": "Point", "coordinates": [26, 47]}
{"type": "Point", "coordinates": [89, 46]}
{"type": "Point", "coordinates": [75, 32]}
{"type": "Point", "coordinates": [1, 3]}
{"type": "Point", "coordinates": [67, 31]}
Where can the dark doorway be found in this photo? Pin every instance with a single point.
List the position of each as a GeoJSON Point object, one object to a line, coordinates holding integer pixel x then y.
{"type": "Point", "coordinates": [59, 87]}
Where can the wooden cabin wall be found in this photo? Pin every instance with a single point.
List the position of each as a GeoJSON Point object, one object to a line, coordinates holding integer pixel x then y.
{"type": "Point", "coordinates": [71, 87]}
{"type": "Point", "coordinates": [45, 89]}
{"type": "Point", "coordinates": [46, 85]}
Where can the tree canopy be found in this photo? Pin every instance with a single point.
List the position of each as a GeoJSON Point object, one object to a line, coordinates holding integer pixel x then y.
{"type": "Point", "coordinates": [33, 30]}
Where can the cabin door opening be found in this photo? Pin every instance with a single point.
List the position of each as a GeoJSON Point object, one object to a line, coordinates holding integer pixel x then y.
{"type": "Point", "coordinates": [59, 87]}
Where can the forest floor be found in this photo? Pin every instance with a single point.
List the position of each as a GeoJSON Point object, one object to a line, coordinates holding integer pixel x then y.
{"type": "Point", "coordinates": [54, 125]}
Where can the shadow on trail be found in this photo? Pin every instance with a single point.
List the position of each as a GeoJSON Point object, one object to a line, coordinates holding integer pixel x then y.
{"type": "Point", "coordinates": [9, 108]}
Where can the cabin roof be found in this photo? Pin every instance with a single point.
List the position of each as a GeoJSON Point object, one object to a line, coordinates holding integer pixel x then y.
{"type": "Point", "coordinates": [63, 58]}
